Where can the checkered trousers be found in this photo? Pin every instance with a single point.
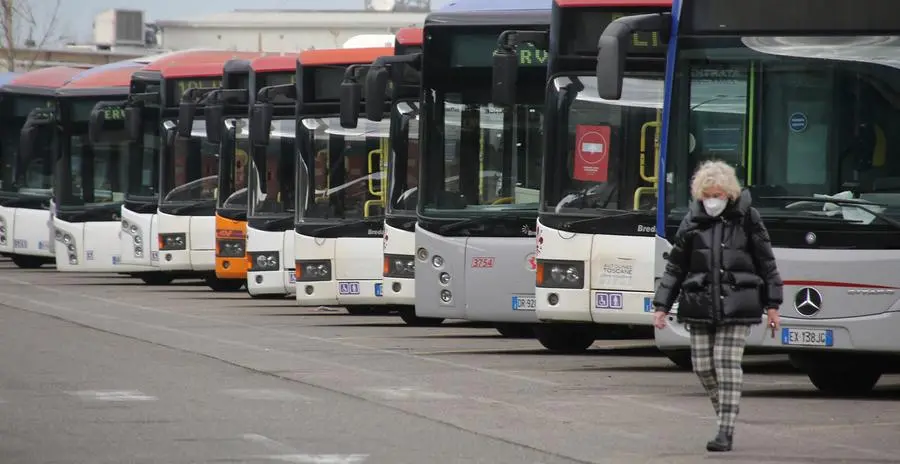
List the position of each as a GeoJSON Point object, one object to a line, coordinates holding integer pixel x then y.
{"type": "Point", "coordinates": [716, 353]}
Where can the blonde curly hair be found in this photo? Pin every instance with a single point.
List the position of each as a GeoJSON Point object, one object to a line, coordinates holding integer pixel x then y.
{"type": "Point", "coordinates": [715, 174]}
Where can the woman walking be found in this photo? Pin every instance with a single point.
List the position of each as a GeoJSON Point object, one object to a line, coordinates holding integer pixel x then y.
{"type": "Point", "coordinates": [723, 273]}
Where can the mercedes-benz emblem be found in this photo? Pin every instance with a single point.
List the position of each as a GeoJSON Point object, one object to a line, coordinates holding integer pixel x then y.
{"type": "Point", "coordinates": [810, 238]}
{"type": "Point", "coordinates": [808, 301]}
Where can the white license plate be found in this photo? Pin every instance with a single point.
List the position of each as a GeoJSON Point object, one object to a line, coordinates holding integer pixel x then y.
{"type": "Point", "coordinates": [523, 303]}
{"type": "Point", "coordinates": [807, 337]}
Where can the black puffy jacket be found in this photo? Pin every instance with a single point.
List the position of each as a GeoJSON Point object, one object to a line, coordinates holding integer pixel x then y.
{"type": "Point", "coordinates": [722, 277]}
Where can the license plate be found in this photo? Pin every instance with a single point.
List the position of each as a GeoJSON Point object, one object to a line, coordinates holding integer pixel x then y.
{"type": "Point", "coordinates": [807, 337]}
{"type": "Point", "coordinates": [292, 277]}
{"type": "Point", "coordinates": [378, 290]}
{"type": "Point", "coordinates": [524, 303]}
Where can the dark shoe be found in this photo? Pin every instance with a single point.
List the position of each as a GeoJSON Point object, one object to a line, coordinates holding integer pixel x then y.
{"type": "Point", "coordinates": [722, 442]}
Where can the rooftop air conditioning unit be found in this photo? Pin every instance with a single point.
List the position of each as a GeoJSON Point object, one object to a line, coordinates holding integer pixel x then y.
{"type": "Point", "coordinates": [119, 27]}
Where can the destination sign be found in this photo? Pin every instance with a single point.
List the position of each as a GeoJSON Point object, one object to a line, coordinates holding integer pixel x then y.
{"type": "Point", "coordinates": [177, 87]}
{"type": "Point", "coordinates": [277, 78]}
{"type": "Point", "coordinates": [477, 51]}
{"type": "Point", "coordinates": [81, 111]}
{"type": "Point", "coordinates": [22, 106]}
{"type": "Point", "coordinates": [587, 26]}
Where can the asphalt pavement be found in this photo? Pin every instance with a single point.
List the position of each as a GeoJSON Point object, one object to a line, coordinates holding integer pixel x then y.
{"type": "Point", "coordinates": [104, 369]}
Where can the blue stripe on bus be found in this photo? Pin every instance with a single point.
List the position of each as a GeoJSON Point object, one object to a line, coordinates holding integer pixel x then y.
{"type": "Point", "coordinates": [667, 103]}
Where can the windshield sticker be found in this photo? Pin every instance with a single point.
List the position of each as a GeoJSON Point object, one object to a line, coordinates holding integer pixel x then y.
{"type": "Point", "coordinates": [591, 153]}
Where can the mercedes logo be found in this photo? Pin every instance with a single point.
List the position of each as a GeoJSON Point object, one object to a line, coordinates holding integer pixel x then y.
{"type": "Point", "coordinates": [808, 301]}
{"type": "Point", "coordinates": [810, 238]}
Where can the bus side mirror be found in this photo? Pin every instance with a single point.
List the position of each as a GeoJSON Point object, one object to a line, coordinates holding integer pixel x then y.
{"type": "Point", "coordinates": [27, 139]}
{"type": "Point", "coordinates": [133, 122]}
{"type": "Point", "coordinates": [186, 112]}
{"type": "Point", "coordinates": [613, 49]}
{"type": "Point", "coordinates": [351, 95]}
{"type": "Point", "coordinates": [376, 87]}
{"type": "Point", "coordinates": [214, 115]}
{"type": "Point", "coordinates": [506, 69]}
{"type": "Point", "coordinates": [261, 123]}
{"type": "Point", "coordinates": [95, 124]}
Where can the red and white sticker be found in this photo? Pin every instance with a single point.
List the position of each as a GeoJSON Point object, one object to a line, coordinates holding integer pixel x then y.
{"type": "Point", "coordinates": [482, 262]}
{"type": "Point", "coordinates": [591, 153]}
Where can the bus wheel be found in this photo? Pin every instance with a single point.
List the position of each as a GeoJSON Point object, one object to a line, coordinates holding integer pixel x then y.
{"type": "Point", "coordinates": [29, 262]}
{"type": "Point", "coordinates": [408, 315]}
{"type": "Point", "coordinates": [565, 338]}
{"type": "Point", "coordinates": [681, 358]}
{"type": "Point", "coordinates": [224, 285]}
{"type": "Point", "coordinates": [514, 330]}
{"type": "Point", "coordinates": [156, 279]}
{"type": "Point", "coordinates": [851, 381]}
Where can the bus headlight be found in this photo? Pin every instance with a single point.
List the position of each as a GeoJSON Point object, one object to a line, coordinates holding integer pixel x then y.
{"type": "Point", "coordinates": [69, 242]}
{"type": "Point", "coordinates": [230, 248]}
{"type": "Point", "coordinates": [317, 270]}
{"type": "Point", "coordinates": [172, 241]}
{"type": "Point", "coordinates": [560, 274]}
{"type": "Point", "coordinates": [263, 260]}
{"type": "Point", "coordinates": [403, 266]}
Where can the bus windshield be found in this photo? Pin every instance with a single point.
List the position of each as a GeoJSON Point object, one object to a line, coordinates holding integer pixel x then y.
{"type": "Point", "coordinates": [403, 165]}
{"type": "Point", "coordinates": [96, 173]}
{"type": "Point", "coordinates": [190, 168]}
{"type": "Point", "coordinates": [144, 178]}
{"type": "Point", "coordinates": [272, 183]}
{"type": "Point", "coordinates": [36, 176]}
{"type": "Point", "coordinates": [341, 169]}
{"type": "Point", "coordinates": [799, 117]}
{"type": "Point", "coordinates": [605, 151]}
{"type": "Point", "coordinates": [232, 183]}
{"type": "Point", "coordinates": [482, 159]}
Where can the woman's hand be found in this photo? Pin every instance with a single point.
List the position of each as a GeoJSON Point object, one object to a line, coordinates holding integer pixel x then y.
{"type": "Point", "coordinates": [659, 319]}
{"type": "Point", "coordinates": [774, 320]}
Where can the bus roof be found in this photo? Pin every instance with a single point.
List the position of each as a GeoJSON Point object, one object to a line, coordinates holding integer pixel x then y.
{"type": "Point", "coordinates": [342, 56]}
{"type": "Point", "coordinates": [613, 3]}
{"type": "Point", "coordinates": [410, 36]}
{"type": "Point", "coordinates": [7, 77]}
{"type": "Point", "coordinates": [183, 70]}
{"type": "Point", "coordinates": [46, 78]}
{"type": "Point", "coordinates": [110, 77]}
{"type": "Point", "coordinates": [473, 6]}
{"type": "Point", "coordinates": [275, 63]}
{"type": "Point", "coordinates": [491, 13]}
{"type": "Point", "coordinates": [196, 56]}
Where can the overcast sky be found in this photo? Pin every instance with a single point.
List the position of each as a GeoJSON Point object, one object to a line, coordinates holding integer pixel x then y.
{"type": "Point", "coordinates": [75, 17]}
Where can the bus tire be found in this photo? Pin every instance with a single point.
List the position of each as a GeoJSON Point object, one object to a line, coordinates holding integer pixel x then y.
{"type": "Point", "coordinates": [225, 285]}
{"type": "Point", "coordinates": [156, 278]}
{"type": "Point", "coordinates": [844, 382]}
{"type": "Point", "coordinates": [408, 316]}
{"type": "Point", "coordinates": [565, 338]}
{"type": "Point", "coordinates": [515, 330]}
{"type": "Point", "coordinates": [681, 358]}
{"type": "Point", "coordinates": [29, 262]}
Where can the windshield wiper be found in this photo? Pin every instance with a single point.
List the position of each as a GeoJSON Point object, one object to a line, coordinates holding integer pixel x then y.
{"type": "Point", "coordinates": [273, 221]}
{"type": "Point", "coordinates": [616, 214]}
{"type": "Point", "coordinates": [842, 202]}
{"type": "Point", "coordinates": [484, 220]}
{"type": "Point", "coordinates": [377, 220]}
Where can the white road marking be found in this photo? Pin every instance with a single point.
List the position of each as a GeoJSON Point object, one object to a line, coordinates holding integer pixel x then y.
{"type": "Point", "coordinates": [402, 393]}
{"type": "Point", "coordinates": [112, 395]}
{"type": "Point", "coordinates": [273, 445]}
{"type": "Point", "coordinates": [267, 394]}
{"type": "Point", "coordinates": [319, 458]}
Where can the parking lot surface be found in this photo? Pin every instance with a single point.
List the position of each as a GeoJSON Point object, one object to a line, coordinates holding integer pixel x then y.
{"type": "Point", "coordinates": [105, 369]}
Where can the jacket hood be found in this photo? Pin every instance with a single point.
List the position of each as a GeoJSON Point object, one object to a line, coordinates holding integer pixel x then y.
{"type": "Point", "coordinates": [735, 208]}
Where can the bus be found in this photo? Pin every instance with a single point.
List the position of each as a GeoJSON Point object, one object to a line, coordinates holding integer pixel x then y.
{"type": "Point", "coordinates": [226, 111]}
{"type": "Point", "coordinates": [26, 178]}
{"type": "Point", "coordinates": [594, 245]}
{"type": "Point", "coordinates": [189, 176]}
{"type": "Point", "coordinates": [92, 168]}
{"type": "Point", "coordinates": [479, 185]}
{"type": "Point", "coordinates": [801, 104]}
{"type": "Point", "coordinates": [272, 185]}
{"type": "Point", "coordinates": [145, 120]}
{"type": "Point", "coordinates": [403, 71]}
{"type": "Point", "coordinates": [339, 218]}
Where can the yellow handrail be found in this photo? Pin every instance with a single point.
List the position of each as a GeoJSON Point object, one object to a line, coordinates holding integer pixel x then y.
{"type": "Point", "coordinates": [654, 178]}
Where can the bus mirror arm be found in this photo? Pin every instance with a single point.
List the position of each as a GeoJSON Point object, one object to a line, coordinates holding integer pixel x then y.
{"type": "Point", "coordinates": [506, 63]}
{"type": "Point", "coordinates": [376, 90]}
{"type": "Point", "coordinates": [261, 123]}
{"type": "Point", "coordinates": [613, 49]}
{"type": "Point", "coordinates": [187, 109]}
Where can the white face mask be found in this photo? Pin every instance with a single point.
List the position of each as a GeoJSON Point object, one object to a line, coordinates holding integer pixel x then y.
{"type": "Point", "coordinates": [714, 206]}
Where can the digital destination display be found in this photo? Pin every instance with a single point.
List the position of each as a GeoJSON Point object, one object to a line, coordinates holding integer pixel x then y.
{"type": "Point", "coordinates": [81, 111]}
{"type": "Point", "coordinates": [587, 26]}
{"type": "Point", "coordinates": [277, 78]}
{"type": "Point", "coordinates": [477, 50]}
{"type": "Point", "coordinates": [177, 87]}
{"type": "Point", "coordinates": [23, 105]}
